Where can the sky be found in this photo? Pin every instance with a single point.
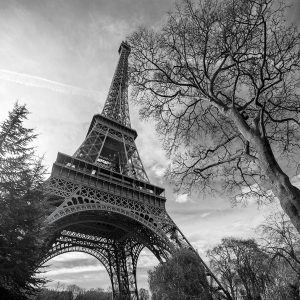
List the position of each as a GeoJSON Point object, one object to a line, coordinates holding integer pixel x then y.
{"type": "Point", "coordinates": [58, 57]}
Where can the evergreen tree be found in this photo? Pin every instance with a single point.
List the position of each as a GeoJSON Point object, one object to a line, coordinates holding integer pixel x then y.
{"type": "Point", "coordinates": [22, 208]}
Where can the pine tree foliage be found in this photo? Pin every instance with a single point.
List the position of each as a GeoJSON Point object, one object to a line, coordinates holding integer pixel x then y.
{"type": "Point", "coordinates": [22, 208]}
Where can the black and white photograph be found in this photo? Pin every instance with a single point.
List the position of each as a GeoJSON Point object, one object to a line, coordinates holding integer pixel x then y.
{"type": "Point", "coordinates": [149, 150]}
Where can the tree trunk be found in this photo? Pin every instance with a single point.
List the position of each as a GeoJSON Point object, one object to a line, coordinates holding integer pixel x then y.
{"type": "Point", "coordinates": [288, 195]}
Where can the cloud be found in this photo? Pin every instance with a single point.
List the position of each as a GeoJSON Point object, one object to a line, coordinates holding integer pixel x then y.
{"type": "Point", "coordinates": [205, 215]}
{"type": "Point", "coordinates": [158, 170]}
{"type": "Point", "coordinates": [70, 256]}
{"type": "Point", "coordinates": [77, 270]}
{"type": "Point", "coordinates": [182, 198]}
{"type": "Point", "coordinates": [40, 82]}
{"type": "Point", "coordinates": [296, 181]}
{"type": "Point", "coordinates": [147, 259]}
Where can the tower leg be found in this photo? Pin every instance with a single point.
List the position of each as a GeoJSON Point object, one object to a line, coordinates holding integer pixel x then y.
{"type": "Point", "coordinates": [123, 258]}
{"type": "Point", "coordinates": [113, 275]}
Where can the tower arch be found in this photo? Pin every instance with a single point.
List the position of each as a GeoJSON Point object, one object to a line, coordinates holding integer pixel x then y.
{"type": "Point", "coordinates": [75, 249]}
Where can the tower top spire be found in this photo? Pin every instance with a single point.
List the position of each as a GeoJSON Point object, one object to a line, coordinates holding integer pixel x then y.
{"type": "Point", "coordinates": [124, 45]}
{"type": "Point", "coordinates": [116, 104]}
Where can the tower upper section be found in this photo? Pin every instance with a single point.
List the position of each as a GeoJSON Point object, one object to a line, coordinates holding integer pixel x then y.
{"type": "Point", "coordinates": [116, 104]}
{"type": "Point", "coordinates": [110, 142]}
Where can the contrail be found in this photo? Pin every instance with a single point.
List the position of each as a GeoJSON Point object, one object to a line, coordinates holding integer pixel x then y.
{"type": "Point", "coordinates": [43, 83]}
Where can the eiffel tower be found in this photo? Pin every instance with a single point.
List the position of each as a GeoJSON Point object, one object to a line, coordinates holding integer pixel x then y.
{"type": "Point", "coordinates": [103, 203]}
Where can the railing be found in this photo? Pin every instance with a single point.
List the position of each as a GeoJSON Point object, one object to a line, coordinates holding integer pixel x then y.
{"type": "Point", "coordinates": [105, 170]}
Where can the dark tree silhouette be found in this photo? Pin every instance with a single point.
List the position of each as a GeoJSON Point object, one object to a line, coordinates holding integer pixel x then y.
{"type": "Point", "coordinates": [221, 80]}
{"type": "Point", "coordinates": [144, 294]}
{"type": "Point", "coordinates": [22, 208]}
{"type": "Point", "coordinates": [182, 277]}
{"type": "Point", "coordinates": [46, 294]}
{"type": "Point", "coordinates": [94, 294]}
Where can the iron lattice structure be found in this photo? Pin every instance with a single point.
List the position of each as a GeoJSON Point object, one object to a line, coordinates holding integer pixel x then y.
{"type": "Point", "coordinates": [103, 202]}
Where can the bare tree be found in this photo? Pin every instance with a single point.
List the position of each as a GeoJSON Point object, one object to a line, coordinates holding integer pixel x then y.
{"type": "Point", "coordinates": [281, 241]}
{"type": "Point", "coordinates": [243, 268]}
{"type": "Point", "coordinates": [220, 78]}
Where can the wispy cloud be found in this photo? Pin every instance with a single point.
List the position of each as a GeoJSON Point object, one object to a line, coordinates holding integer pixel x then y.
{"type": "Point", "coordinates": [204, 215]}
{"type": "Point", "coordinates": [44, 83]}
{"type": "Point", "coordinates": [77, 270]}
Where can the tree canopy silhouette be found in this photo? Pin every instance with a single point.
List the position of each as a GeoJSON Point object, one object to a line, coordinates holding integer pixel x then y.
{"type": "Point", "coordinates": [182, 277]}
{"type": "Point", "coordinates": [22, 229]}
